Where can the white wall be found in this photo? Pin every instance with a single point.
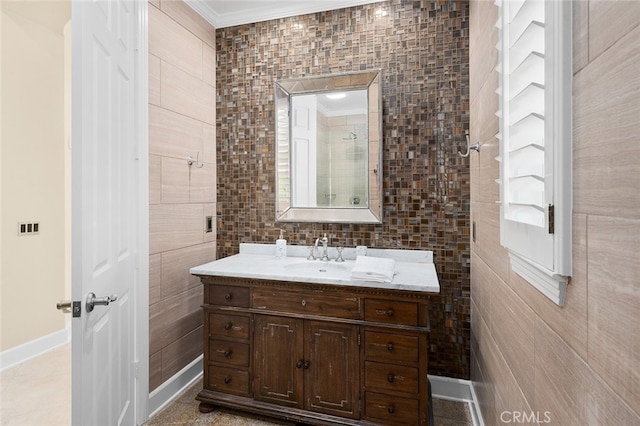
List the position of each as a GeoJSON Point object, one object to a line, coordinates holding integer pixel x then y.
{"type": "Point", "coordinates": [32, 271]}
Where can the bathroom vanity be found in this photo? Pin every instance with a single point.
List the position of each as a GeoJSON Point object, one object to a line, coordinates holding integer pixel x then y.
{"type": "Point", "coordinates": [299, 340]}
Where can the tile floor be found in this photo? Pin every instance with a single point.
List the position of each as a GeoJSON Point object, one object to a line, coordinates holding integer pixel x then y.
{"type": "Point", "coordinates": [184, 411]}
{"type": "Point", "coordinates": [38, 393]}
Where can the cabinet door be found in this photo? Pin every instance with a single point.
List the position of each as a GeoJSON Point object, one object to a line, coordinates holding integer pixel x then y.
{"type": "Point", "coordinates": [278, 360]}
{"type": "Point", "coordinates": [332, 375]}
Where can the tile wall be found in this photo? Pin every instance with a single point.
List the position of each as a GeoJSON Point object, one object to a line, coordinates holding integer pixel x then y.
{"type": "Point", "coordinates": [422, 48]}
{"type": "Point", "coordinates": [181, 124]}
{"type": "Point", "coordinates": [578, 364]}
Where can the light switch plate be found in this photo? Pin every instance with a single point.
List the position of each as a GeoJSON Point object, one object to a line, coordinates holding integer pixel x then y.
{"type": "Point", "coordinates": [28, 228]}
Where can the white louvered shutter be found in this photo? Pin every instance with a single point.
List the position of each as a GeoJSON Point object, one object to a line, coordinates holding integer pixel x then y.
{"type": "Point", "coordinates": [535, 139]}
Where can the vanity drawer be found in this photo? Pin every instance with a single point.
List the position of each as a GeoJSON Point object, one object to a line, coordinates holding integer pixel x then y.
{"type": "Point", "coordinates": [230, 326]}
{"type": "Point", "coordinates": [228, 380]}
{"type": "Point", "coordinates": [389, 376]}
{"type": "Point", "coordinates": [391, 311]}
{"type": "Point", "coordinates": [307, 303]}
{"type": "Point", "coordinates": [228, 296]}
{"type": "Point", "coordinates": [391, 347]}
{"type": "Point", "coordinates": [391, 410]}
{"type": "Point", "coordinates": [226, 352]}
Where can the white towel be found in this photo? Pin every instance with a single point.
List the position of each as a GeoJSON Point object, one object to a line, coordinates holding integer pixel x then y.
{"type": "Point", "coordinates": [377, 269]}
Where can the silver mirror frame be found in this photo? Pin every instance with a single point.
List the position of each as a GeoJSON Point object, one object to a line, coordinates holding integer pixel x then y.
{"type": "Point", "coordinates": [371, 80]}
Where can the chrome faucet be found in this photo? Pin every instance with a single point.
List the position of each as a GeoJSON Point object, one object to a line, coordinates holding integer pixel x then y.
{"type": "Point", "coordinates": [324, 241]}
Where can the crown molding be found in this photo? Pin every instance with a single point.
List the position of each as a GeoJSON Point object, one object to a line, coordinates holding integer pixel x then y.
{"type": "Point", "coordinates": [270, 10]}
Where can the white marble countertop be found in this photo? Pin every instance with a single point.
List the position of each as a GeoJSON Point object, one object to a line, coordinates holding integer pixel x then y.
{"type": "Point", "coordinates": [414, 269]}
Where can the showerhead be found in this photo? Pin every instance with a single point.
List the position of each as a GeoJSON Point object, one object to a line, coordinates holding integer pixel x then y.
{"type": "Point", "coordinates": [352, 137]}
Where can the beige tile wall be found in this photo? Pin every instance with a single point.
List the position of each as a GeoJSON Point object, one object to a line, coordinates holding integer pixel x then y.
{"type": "Point", "coordinates": [181, 125]}
{"type": "Point", "coordinates": [577, 364]}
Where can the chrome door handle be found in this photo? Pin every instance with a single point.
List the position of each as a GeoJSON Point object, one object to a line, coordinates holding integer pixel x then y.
{"type": "Point", "coordinates": [92, 300]}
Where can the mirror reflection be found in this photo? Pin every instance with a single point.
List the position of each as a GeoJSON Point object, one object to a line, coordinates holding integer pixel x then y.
{"type": "Point", "coordinates": [329, 146]}
{"type": "Point", "coordinates": [328, 139]}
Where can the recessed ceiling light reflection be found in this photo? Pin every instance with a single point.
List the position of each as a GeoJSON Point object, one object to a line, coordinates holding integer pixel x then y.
{"type": "Point", "coordinates": [335, 96]}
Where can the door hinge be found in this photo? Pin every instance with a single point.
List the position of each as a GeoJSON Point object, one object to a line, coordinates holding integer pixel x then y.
{"type": "Point", "coordinates": [551, 218]}
{"type": "Point", "coordinates": [359, 339]}
{"type": "Point", "coordinates": [136, 369]}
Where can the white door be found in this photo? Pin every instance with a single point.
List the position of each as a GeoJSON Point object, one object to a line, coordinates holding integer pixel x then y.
{"type": "Point", "coordinates": [107, 242]}
{"type": "Point", "coordinates": [304, 151]}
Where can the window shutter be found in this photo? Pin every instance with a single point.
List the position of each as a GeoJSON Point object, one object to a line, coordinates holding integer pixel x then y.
{"type": "Point", "coordinates": [523, 131]}
{"type": "Point", "coordinates": [535, 138]}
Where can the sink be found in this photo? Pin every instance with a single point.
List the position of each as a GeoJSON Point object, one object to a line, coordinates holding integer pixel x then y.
{"type": "Point", "coordinates": [314, 268]}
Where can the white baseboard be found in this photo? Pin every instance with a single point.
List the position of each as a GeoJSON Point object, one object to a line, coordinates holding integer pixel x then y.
{"type": "Point", "coordinates": [457, 390]}
{"type": "Point", "coordinates": [477, 414]}
{"type": "Point", "coordinates": [169, 390]}
{"type": "Point", "coordinates": [21, 353]}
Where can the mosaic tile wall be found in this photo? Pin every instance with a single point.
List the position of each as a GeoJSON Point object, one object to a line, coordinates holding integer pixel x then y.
{"type": "Point", "coordinates": [423, 49]}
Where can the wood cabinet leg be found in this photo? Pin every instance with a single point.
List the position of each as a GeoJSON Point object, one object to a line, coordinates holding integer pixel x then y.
{"type": "Point", "coordinates": [205, 407]}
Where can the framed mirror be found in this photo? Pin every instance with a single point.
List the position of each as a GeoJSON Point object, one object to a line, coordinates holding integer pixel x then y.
{"type": "Point", "coordinates": [329, 148]}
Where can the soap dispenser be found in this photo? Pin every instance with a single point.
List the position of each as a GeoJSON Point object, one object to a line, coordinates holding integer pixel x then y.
{"type": "Point", "coordinates": [281, 247]}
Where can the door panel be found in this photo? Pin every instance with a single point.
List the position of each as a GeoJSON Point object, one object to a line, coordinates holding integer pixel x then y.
{"type": "Point", "coordinates": [332, 381]}
{"type": "Point", "coordinates": [106, 242]}
{"type": "Point", "coordinates": [278, 350]}
{"type": "Point", "coordinates": [304, 151]}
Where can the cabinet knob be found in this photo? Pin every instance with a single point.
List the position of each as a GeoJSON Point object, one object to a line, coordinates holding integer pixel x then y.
{"type": "Point", "coordinates": [227, 296]}
{"type": "Point", "coordinates": [306, 365]}
{"type": "Point", "coordinates": [391, 409]}
{"type": "Point", "coordinates": [390, 346]}
{"type": "Point", "coordinates": [391, 377]}
{"type": "Point", "coordinates": [227, 353]}
{"type": "Point", "coordinates": [390, 313]}
{"type": "Point", "coordinates": [227, 379]}
{"type": "Point", "coordinates": [304, 302]}
{"type": "Point", "coordinates": [299, 364]}
{"type": "Point", "coordinates": [228, 326]}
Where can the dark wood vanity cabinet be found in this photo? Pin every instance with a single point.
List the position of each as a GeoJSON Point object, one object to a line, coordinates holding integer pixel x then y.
{"type": "Point", "coordinates": [315, 353]}
{"type": "Point", "coordinates": [303, 364]}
